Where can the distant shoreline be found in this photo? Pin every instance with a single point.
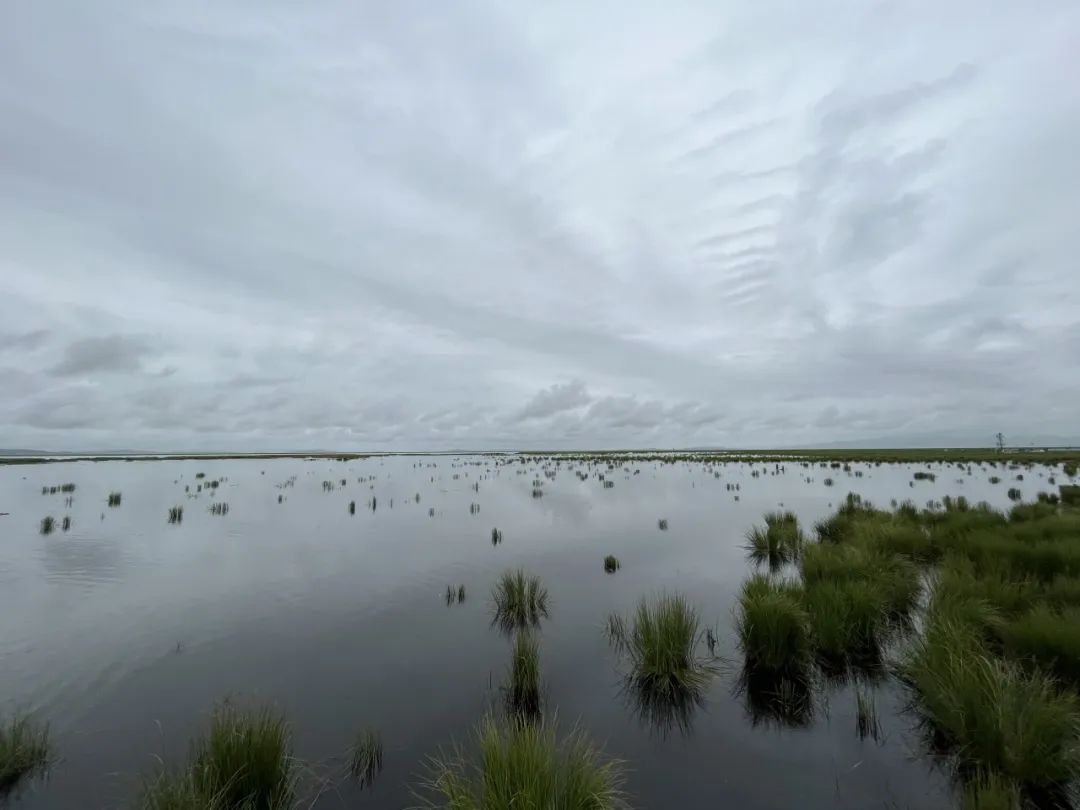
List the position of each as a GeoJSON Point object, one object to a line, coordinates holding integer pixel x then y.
{"type": "Point", "coordinates": [1039, 455]}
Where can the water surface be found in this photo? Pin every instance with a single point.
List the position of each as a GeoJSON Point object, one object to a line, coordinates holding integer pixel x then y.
{"type": "Point", "coordinates": [123, 631]}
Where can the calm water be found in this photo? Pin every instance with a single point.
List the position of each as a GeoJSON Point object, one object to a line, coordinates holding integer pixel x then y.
{"type": "Point", "coordinates": [124, 631]}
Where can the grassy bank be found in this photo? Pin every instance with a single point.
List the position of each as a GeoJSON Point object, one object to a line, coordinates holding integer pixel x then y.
{"type": "Point", "coordinates": [976, 610]}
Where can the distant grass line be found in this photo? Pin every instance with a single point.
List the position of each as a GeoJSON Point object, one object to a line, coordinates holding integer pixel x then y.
{"type": "Point", "coordinates": [1037, 455]}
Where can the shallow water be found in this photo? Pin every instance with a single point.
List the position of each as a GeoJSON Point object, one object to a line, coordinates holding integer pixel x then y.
{"type": "Point", "coordinates": [123, 631]}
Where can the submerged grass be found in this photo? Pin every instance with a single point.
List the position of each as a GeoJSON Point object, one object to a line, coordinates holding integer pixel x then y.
{"type": "Point", "coordinates": [24, 750]}
{"type": "Point", "coordinates": [366, 757]}
{"type": "Point", "coordinates": [866, 719]}
{"type": "Point", "coordinates": [520, 600]}
{"type": "Point", "coordinates": [524, 765]}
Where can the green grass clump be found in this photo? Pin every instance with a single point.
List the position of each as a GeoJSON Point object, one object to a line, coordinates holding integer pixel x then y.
{"type": "Point", "coordinates": [992, 713]}
{"type": "Point", "coordinates": [522, 691]}
{"type": "Point", "coordinates": [1048, 637]}
{"type": "Point", "coordinates": [245, 760]}
{"type": "Point", "coordinates": [772, 625]}
{"type": "Point", "coordinates": [524, 765]}
{"type": "Point", "coordinates": [24, 750]}
{"type": "Point", "coordinates": [779, 542]}
{"type": "Point", "coordinates": [847, 619]}
{"type": "Point", "coordinates": [989, 791]}
{"type": "Point", "coordinates": [662, 646]}
{"type": "Point", "coordinates": [520, 600]}
{"type": "Point", "coordinates": [366, 757]}
{"type": "Point", "coordinates": [114, 498]}
{"type": "Point", "coordinates": [48, 523]}
{"type": "Point", "coordinates": [176, 514]}
{"type": "Point", "coordinates": [1069, 494]}
{"type": "Point", "coordinates": [894, 578]}
{"type": "Point", "coordinates": [611, 564]}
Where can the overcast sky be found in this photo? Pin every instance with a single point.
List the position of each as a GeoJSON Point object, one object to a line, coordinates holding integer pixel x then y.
{"type": "Point", "coordinates": [427, 225]}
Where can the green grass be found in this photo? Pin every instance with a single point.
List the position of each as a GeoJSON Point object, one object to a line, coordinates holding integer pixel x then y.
{"type": "Point", "coordinates": [992, 713]}
{"type": "Point", "coordinates": [246, 758]}
{"type": "Point", "coordinates": [1047, 637]}
{"type": "Point", "coordinates": [114, 498]}
{"type": "Point", "coordinates": [988, 791]}
{"type": "Point", "coordinates": [779, 542]}
{"type": "Point", "coordinates": [24, 750]}
{"type": "Point", "coordinates": [244, 762]}
{"type": "Point", "coordinates": [177, 791]}
{"type": "Point", "coordinates": [611, 564]}
{"type": "Point", "coordinates": [48, 523]}
{"type": "Point", "coordinates": [176, 514]}
{"type": "Point", "coordinates": [772, 625]}
{"type": "Point", "coordinates": [366, 757]}
{"type": "Point", "coordinates": [523, 765]}
{"type": "Point", "coordinates": [520, 600]}
{"type": "Point", "coordinates": [848, 619]}
{"type": "Point", "coordinates": [894, 578]}
{"type": "Point", "coordinates": [661, 644]}
{"type": "Point", "coordinates": [522, 691]}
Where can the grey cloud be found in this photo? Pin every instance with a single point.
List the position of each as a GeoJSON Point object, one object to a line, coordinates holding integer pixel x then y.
{"type": "Point", "coordinates": [556, 399]}
{"type": "Point", "coordinates": [24, 341]}
{"type": "Point", "coordinates": [427, 231]}
{"type": "Point", "coordinates": [115, 353]}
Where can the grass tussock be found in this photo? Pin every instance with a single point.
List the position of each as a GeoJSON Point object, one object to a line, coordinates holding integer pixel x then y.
{"type": "Point", "coordinates": [24, 750]}
{"type": "Point", "coordinates": [524, 765]}
{"type": "Point", "coordinates": [779, 542]}
{"type": "Point", "coordinates": [772, 625]}
{"type": "Point", "coordinates": [366, 757]}
{"type": "Point", "coordinates": [991, 713]}
{"type": "Point", "coordinates": [176, 514]}
{"type": "Point", "coordinates": [520, 600]}
{"type": "Point", "coordinates": [611, 564]}
{"type": "Point", "coordinates": [115, 498]}
{"type": "Point", "coordinates": [661, 642]}
{"type": "Point", "coordinates": [244, 762]}
{"type": "Point", "coordinates": [48, 524]}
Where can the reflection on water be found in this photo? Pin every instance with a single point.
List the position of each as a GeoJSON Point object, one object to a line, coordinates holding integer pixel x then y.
{"type": "Point", "coordinates": [122, 632]}
{"type": "Point", "coordinates": [782, 700]}
{"type": "Point", "coordinates": [663, 711]}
